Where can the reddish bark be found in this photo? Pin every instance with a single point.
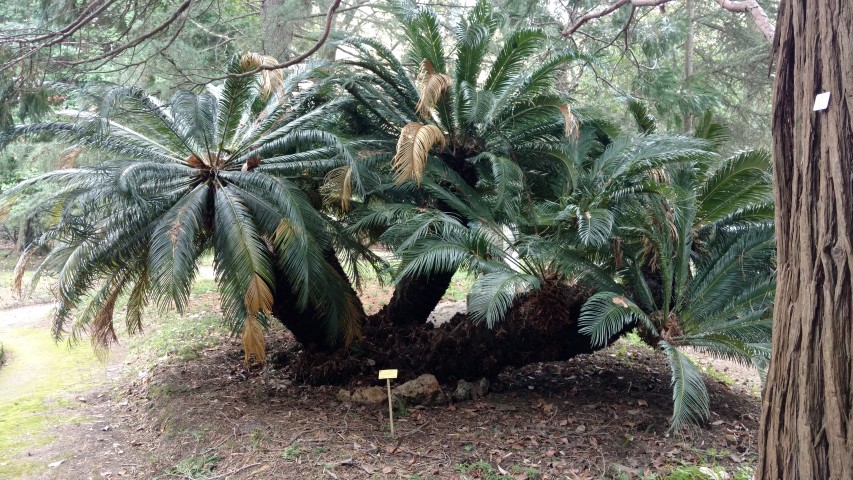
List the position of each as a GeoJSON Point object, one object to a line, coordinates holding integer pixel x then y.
{"type": "Point", "coordinates": [807, 417]}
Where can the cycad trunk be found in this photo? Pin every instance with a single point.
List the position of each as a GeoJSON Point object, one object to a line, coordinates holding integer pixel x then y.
{"type": "Point", "coordinates": [540, 327]}
{"type": "Point", "coordinates": [415, 298]}
{"type": "Point", "coordinates": [807, 417]}
{"type": "Point", "coordinates": [304, 325]}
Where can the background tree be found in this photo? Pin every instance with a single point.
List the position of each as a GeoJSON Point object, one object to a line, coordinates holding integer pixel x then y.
{"type": "Point", "coordinates": [807, 416]}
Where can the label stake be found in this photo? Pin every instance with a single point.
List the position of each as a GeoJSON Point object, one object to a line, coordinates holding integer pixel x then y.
{"type": "Point", "coordinates": [387, 375]}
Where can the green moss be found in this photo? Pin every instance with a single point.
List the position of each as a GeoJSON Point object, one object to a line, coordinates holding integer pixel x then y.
{"type": "Point", "coordinates": [31, 383]}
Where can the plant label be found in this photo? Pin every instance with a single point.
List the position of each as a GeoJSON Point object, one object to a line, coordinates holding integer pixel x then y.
{"type": "Point", "coordinates": [821, 101]}
{"type": "Point", "coordinates": [386, 374]}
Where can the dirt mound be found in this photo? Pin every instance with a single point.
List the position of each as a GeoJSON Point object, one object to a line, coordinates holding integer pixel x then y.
{"type": "Point", "coordinates": [539, 327]}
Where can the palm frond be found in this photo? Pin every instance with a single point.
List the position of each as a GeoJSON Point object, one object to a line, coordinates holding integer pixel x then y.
{"type": "Point", "coordinates": [413, 146]}
{"type": "Point", "coordinates": [493, 293]}
{"type": "Point", "coordinates": [431, 87]}
{"type": "Point", "coordinates": [740, 181]}
{"type": "Point", "coordinates": [690, 402]}
{"type": "Point", "coordinates": [606, 314]}
{"type": "Point", "coordinates": [337, 186]}
{"type": "Point", "coordinates": [516, 51]}
{"type": "Point", "coordinates": [645, 121]}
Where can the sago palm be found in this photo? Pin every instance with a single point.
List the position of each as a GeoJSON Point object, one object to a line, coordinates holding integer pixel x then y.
{"type": "Point", "coordinates": [475, 118]}
{"type": "Point", "coordinates": [231, 170]}
{"type": "Point", "coordinates": [697, 271]}
{"type": "Point", "coordinates": [564, 240]}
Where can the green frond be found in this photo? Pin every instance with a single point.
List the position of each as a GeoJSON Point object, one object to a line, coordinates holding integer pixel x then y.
{"type": "Point", "coordinates": [690, 402]}
{"type": "Point", "coordinates": [239, 251]}
{"type": "Point", "coordinates": [473, 35]}
{"type": "Point", "coordinates": [493, 293]}
{"type": "Point", "coordinates": [423, 30]}
{"type": "Point", "coordinates": [645, 121]}
{"type": "Point", "coordinates": [234, 104]}
{"type": "Point", "coordinates": [606, 314]}
{"type": "Point", "coordinates": [715, 133]}
{"type": "Point", "coordinates": [739, 182]}
{"type": "Point", "coordinates": [174, 251]}
{"type": "Point", "coordinates": [512, 57]}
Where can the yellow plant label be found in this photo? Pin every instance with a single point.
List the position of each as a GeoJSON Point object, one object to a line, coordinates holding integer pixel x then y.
{"type": "Point", "coordinates": [383, 374]}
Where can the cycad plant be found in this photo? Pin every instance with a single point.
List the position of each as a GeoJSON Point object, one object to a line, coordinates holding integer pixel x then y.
{"type": "Point", "coordinates": [564, 240]}
{"type": "Point", "coordinates": [477, 118]}
{"type": "Point", "coordinates": [697, 271]}
{"type": "Point", "coordinates": [233, 170]}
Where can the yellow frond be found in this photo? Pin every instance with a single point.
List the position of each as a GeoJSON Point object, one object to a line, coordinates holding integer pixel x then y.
{"type": "Point", "coordinates": [18, 273]}
{"type": "Point", "coordinates": [253, 340]}
{"type": "Point", "coordinates": [271, 80]}
{"type": "Point", "coordinates": [413, 146]}
{"type": "Point", "coordinates": [337, 186]}
{"type": "Point", "coordinates": [258, 297]}
{"type": "Point", "coordinates": [572, 130]}
{"type": "Point", "coordinates": [431, 86]}
{"type": "Point", "coordinates": [659, 175]}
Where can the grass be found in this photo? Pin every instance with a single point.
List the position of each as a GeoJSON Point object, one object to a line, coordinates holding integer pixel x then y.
{"type": "Point", "coordinates": [194, 467]}
{"type": "Point", "coordinates": [180, 337]}
{"type": "Point", "coordinates": [36, 392]}
{"type": "Point", "coordinates": [721, 376]}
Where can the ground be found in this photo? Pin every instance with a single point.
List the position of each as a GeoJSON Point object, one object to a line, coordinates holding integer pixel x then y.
{"type": "Point", "coordinates": [178, 402]}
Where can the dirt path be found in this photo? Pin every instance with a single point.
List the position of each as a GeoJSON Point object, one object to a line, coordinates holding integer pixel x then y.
{"type": "Point", "coordinates": [40, 386]}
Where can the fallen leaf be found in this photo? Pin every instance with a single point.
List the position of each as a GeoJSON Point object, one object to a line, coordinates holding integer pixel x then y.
{"type": "Point", "coordinates": [581, 428]}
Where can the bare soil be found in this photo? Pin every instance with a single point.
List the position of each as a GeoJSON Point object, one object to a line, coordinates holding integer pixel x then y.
{"type": "Point", "coordinates": [603, 415]}
{"type": "Point", "coordinates": [596, 416]}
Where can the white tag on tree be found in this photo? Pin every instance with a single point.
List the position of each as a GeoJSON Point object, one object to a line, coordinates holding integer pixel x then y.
{"type": "Point", "coordinates": [821, 101]}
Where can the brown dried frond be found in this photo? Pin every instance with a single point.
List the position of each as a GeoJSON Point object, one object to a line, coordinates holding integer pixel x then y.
{"type": "Point", "coordinates": [18, 273]}
{"type": "Point", "coordinates": [413, 146]}
{"type": "Point", "coordinates": [271, 80]}
{"type": "Point", "coordinates": [659, 175]}
{"type": "Point", "coordinates": [337, 186]}
{"type": "Point", "coordinates": [253, 341]}
{"type": "Point", "coordinates": [572, 130]}
{"type": "Point", "coordinates": [258, 299]}
{"type": "Point", "coordinates": [102, 329]}
{"type": "Point", "coordinates": [194, 161]}
{"type": "Point", "coordinates": [251, 163]}
{"type": "Point", "coordinates": [621, 301]}
{"type": "Point", "coordinates": [258, 296]}
{"type": "Point", "coordinates": [431, 86]}
{"type": "Point", "coordinates": [68, 157]}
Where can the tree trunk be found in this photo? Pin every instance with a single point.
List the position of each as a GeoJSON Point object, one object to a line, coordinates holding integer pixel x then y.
{"type": "Point", "coordinates": [304, 325]}
{"type": "Point", "coordinates": [25, 234]}
{"type": "Point", "coordinates": [807, 416]}
{"type": "Point", "coordinates": [415, 298]}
